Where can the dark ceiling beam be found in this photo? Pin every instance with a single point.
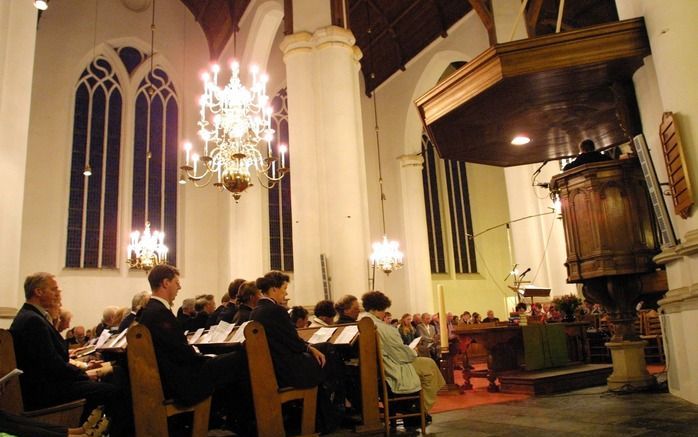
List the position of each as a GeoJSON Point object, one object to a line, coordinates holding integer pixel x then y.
{"type": "Point", "coordinates": [233, 16]}
{"type": "Point", "coordinates": [442, 18]}
{"type": "Point", "coordinates": [288, 17]}
{"type": "Point", "coordinates": [390, 29]}
{"type": "Point", "coordinates": [484, 11]}
{"type": "Point", "coordinates": [389, 25]}
{"type": "Point", "coordinates": [532, 15]}
{"type": "Point", "coordinates": [201, 12]}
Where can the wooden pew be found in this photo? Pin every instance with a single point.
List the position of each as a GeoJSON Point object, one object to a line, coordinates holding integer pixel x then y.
{"type": "Point", "coordinates": [11, 400]}
{"type": "Point", "coordinates": [150, 408]}
{"type": "Point", "coordinates": [368, 366]}
{"type": "Point", "coordinates": [266, 394]}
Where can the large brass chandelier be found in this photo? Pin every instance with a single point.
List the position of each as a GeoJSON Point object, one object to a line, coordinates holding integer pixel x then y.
{"type": "Point", "coordinates": [234, 124]}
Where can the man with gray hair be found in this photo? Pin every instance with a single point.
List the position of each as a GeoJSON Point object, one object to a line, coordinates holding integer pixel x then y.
{"type": "Point", "coordinates": [42, 354]}
{"type": "Point", "coordinates": [139, 300]}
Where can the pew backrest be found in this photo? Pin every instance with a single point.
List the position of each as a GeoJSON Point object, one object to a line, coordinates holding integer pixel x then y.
{"type": "Point", "coordinates": [11, 399]}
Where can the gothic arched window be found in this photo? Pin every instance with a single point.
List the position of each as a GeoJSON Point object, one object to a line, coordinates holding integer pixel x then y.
{"type": "Point", "coordinates": [155, 158]}
{"type": "Point", "coordinates": [447, 199]}
{"type": "Point", "coordinates": [93, 203]}
{"type": "Point", "coordinates": [280, 224]}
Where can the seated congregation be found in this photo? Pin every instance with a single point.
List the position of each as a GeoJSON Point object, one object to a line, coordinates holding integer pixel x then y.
{"type": "Point", "coordinates": [57, 370]}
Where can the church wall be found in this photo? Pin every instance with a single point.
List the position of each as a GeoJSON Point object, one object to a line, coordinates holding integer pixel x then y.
{"type": "Point", "coordinates": [64, 47]}
{"type": "Point", "coordinates": [667, 83]}
{"type": "Point", "coordinates": [538, 241]}
{"type": "Point", "coordinates": [18, 34]}
{"type": "Point", "coordinates": [401, 129]}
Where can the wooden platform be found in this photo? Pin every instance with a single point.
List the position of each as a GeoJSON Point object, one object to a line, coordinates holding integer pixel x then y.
{"type": "Point", "coordinates": [555, 380]}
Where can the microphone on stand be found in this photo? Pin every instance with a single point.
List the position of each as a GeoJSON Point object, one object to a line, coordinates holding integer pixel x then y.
{"type": "Point", "coordinates": [524, 273]}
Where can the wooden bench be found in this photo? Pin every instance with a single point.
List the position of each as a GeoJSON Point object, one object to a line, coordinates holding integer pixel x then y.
{"type": "Point", "coordinates": [267, 396]}
{"type": "Point", "coordinates": [368, 368]}
{"type": "Point", "coordinates": [150, 408]}
{"type": "Point", "coordinates": [11, 401]}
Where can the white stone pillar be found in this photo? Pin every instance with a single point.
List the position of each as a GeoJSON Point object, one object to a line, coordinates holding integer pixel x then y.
{"type": "Point", "coordinates": [667, 83]}
{"type": "Point", "coordinates": [17, 40]}
{"type": "Point", "coordinates": [328, 178]}
{"type": "Point", "coordinates": [417, 267]}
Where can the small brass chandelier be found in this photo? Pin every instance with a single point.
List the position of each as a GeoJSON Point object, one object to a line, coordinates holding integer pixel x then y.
{"type": "Point", "coordinates": [234, 124]}
{"type": "Point", "coordinates": [386, 254]}
{"type": "Point", "coordinates": [147, 250]}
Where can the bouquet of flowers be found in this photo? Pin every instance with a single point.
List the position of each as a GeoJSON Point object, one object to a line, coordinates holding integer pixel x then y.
{"type": "Point", "coordinates": [568, 304]}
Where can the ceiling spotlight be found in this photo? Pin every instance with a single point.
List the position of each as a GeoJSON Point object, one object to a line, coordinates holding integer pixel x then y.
{"type": "Point", "coordinates": [41, 5]}
{"type": "Point", "coordinates": [520, 140]}
{"type": "Point", "coordinates": [87, 171]}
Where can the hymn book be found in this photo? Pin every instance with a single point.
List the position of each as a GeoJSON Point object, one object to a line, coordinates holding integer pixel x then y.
{"type": "Point", "coordinates": [347, 335]}
{"type": "Point", "coordinates": [322, 335]}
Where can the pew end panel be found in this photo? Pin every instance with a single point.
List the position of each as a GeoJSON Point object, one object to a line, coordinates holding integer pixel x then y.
{"type": "Point", "coordinates": [11, 401]}
{"type": "Point", "coordinates": [267, 397]}
{"type": "Point", "coordinates": [150, 408]}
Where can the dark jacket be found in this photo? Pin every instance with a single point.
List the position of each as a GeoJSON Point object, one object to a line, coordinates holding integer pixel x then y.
{"type": "Point", "coordinates": [177, 360]}
{"type": "Point", "coordinates": [228, 313]}
{"type": "Point", "coordinates": [42, 354]}
{"type": "Point", "coordinates": [127, 321]}
{"type": "Point", "coordinates": [586, 158]}
{"type": "Point", "coordinates": [343, 319]}
{"type": "Point", "coordinates": [243, 314]}
{"type": "Point", "coordinates": [292, 364]}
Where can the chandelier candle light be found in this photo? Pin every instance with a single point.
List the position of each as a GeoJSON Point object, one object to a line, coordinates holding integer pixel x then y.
{"type": "Point", "coordinates": [234, 122]}
{"type": "Point", "coordinates": [147, 250]}
{"type": "Point", "coordinates": [386, 254]}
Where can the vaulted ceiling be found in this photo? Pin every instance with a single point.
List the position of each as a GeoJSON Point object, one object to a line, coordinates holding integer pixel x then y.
{"type": "Point", "coordinates": [400, 29]}
{"type": "Point", "coordinates": [558, 107]}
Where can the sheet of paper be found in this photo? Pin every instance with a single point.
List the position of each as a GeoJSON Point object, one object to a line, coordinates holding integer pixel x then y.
{"type": "Point", "coordinates": [415, 342]}
{"type": "Point", "coordinates": [204, 338]}
{"type": "Point", "coordinates": [239, 336]}
{"type": "Point", "coordinates": [197, 335]}
{"type": "Point", "coordinates": [103, 338]}
{"type": "Point", "coordinates": [117, 339]}
{"type": "Point", "coordinates": [10, 375]}
{"type": "Point", "coordinates": [221, 332]}
{"type": "Point", "coordinates": [121, 343]}
{"type": "Point", "coordinates": [347, 334]}
{"type": "Point", "coordinates": [322, 335]}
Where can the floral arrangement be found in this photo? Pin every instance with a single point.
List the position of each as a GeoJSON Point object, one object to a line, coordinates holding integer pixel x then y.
{"type": "Point", "coordinates": [568, 304]}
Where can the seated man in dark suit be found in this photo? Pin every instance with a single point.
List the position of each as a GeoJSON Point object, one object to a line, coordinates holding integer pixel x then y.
{"type": "Point", "coordinates": [187, 376]}
{"type": "Point", "coordinates": [587, 155]}
{"type": "Point", "coordinates": [42, 354]}
{"type": "Point", "coordinates": [297, 363]}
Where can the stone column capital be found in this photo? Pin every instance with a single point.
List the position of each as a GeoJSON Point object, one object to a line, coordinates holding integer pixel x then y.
{"type": "Point", "coordinates": [414, 160]}
{"type": "Point", "coordinates": [322, 38]}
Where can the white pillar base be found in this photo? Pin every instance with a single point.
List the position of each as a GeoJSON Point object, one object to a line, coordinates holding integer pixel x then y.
{"type": "Point", "coordinates": [629, 366]}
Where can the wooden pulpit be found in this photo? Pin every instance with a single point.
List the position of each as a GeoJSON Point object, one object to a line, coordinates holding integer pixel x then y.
{"type": "Point", "coordinates": [610, 234]}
